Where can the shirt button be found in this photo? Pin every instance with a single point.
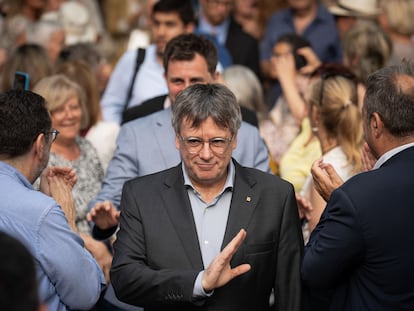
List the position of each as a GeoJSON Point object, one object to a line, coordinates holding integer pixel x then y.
{"type": "Point", "coordinates": [206, 242]}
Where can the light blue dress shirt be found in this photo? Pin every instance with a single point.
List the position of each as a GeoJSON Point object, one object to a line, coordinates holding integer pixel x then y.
{"type": "Point", "coordinates": [219, 31]}
{"type": "Point", "coordinates": [68, 277]}
{"type": "Point", "coordinates": [149, 83]}
{"type": "Point", "coordinates": [210, 221]}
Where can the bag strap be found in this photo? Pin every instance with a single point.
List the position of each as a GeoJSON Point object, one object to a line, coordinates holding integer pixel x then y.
{"type": "Point", "coordinates": [139, 60]}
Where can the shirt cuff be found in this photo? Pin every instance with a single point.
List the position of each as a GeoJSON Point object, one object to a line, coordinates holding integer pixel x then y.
{"type": "Point", "coordinates": [100, 234]}
{"type": "Point", "coordinates": [198, 291]}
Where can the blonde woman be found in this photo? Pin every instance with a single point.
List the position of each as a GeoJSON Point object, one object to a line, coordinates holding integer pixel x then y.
{"type": "Point", "coordinates": [337, 123]}
{"type": "Point", "coordinates": [66, 104]}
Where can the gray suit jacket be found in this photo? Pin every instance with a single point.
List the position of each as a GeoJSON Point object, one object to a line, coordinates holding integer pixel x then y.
{"type": "Point", "coordinates": [157, 254]}
{"type": "Point", "coordinates": [147, 145]}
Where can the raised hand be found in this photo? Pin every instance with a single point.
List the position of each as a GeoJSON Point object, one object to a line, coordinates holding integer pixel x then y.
{"type": "Point", "coordinates": [219, 272]}
{"type": "Point", "coordinates": [104, 215]}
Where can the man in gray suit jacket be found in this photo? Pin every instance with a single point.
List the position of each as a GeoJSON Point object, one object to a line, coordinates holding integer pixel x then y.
{"type": "Point", "coordinates": [146, 145]}
{"type": "Point", "coordinates": [208, 234]}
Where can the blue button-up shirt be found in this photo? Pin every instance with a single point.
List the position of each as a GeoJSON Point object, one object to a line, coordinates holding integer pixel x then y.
{"type": "Point", "coordinates": [322, 33]}
{"type": "Point", "coordinates": [68, 277]}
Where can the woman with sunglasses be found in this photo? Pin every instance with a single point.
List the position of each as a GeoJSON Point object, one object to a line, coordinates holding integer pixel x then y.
{"type": "Point", "coordinates": [336, 121]}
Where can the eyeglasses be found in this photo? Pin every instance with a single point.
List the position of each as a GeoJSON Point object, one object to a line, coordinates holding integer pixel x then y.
{"type": "Point", "coordinates": [218, 145]}
{"type": "Point", "coordinates": [329, 75]}
{"type": "Point", "coordinates": [54, 134]}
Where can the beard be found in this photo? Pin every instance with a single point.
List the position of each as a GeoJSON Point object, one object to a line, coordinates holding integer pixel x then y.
{"type": "Point", "coordinates": [43, 164]}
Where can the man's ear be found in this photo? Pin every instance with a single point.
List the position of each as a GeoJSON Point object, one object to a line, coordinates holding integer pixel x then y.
{"type": "Point", "coordinates": [189, 28]}
{"type": "Point", "coordinates": [39, 145]}
{"type": "Point", "coordinates": [42, 307]}
{"type": "Point", "coordinates": [177, 142]}
{"type": "Point", "coordinates": [234, 141]}
{"type": "Point", "coordinates": [218, 78]}
{"type": "Point", "coordinates": [376, 124]}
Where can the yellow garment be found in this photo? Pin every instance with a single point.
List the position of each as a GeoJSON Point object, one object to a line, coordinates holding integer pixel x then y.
{"type": "Point", "coordinates": [296, 162]}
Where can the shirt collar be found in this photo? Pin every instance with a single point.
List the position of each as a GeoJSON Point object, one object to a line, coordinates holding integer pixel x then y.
{"type": "Point", "coordinates": [11, 170]}
{"type": "Point", "coordinates": [389, 154]}
{"type": "Point", "coordinates": [229, 184]}
{"type": "Point", "coordinates": [322, 15]}
{"type": "Point", "coordinates": [219, 31]}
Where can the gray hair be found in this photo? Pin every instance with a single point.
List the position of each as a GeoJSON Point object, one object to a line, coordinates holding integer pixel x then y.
{"type": "Point", "coordinates": [390, 93]}
{"type": "Point", "coordinates": [368, 48]}
{"type": "Point", "coordinates": [245, 85]}
{"type": "Point", "coordinates": [201, 101]}
{"type": "Point", "coordinates": [42, 31]}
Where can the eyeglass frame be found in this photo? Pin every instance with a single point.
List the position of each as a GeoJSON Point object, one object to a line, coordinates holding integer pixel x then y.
{"type": "Point", "coordinates": [54, 133]}
{"type": "Point", "coordinates": [327, 75]}
{"type": "Point", "coordinates": [210, 142]}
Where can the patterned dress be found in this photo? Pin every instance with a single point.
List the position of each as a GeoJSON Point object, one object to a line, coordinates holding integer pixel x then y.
{"type": "Point", "coordinates": [90, 174]}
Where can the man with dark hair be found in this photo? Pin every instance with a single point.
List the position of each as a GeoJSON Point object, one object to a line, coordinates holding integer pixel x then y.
{"type": "Point", "coordinates": [169, 18]}
{"type": "Point", "coordinates": [68, 276]}
{"type": "Point", "coordinates": [208, 234]}
{"type": "Point", "coordinates": [362, 245]}
{"type": "Point", "coordinates": [146, 145]}
{"type": "Point", "coordinates": [18, 284]}
{"type": "Point", "coordinates": [215, 19]}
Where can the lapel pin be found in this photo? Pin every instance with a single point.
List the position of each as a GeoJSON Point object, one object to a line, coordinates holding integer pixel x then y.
{"type": "Point", "coordinates": [248, 199]}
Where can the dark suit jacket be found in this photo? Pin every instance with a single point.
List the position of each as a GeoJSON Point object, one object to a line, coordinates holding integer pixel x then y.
{"type": "Point", "coordinates": [157, 103]}
{"type": "Point", "coordinates": [363, 246]}
{"type": "Point", "coordinates": [244, 48]}
{"type": "Point", "coordinates": [157, 255]}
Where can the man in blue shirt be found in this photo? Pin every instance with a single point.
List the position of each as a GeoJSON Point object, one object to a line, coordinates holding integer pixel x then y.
{"type": "Point", "coordinates": [169, 18]}
{"type": "Point", "coordinates": [44, 221]}
{"type": "Point", "coordinates": [307, 18]}
{"type": "Point", "coordinates": [215, 19]}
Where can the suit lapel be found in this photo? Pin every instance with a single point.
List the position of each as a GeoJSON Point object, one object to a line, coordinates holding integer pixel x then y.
{"type": "Point", "coordinates": [242, 206]}
{"type": "Point", "coordinates": [181, 216]}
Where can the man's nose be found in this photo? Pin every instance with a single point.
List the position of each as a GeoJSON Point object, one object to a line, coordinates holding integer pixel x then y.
{"type": "Point", "coordinates": [205, 152]}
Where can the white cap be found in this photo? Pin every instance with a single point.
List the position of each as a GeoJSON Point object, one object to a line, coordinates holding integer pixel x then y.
{"type": "Point", "coordinates": [77, 23]}
{"type": "Point", "coordinates": [356, 8]}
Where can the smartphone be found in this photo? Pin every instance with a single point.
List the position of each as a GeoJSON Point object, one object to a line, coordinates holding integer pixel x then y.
{"type": "Point", "coordinates": [300, 61]}
{"type": "Point", "coordinates": [21, 80]}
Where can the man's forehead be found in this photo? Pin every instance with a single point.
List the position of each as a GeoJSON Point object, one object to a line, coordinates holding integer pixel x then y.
{"type": "Point", "coordinates": [196, 67]}
{"type": "Point", "coordinates": [191, 125]}
{"type": "Point", "coordinates": [166, 16]}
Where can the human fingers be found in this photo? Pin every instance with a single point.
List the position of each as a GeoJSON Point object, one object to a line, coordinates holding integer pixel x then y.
{"type": "Point", "coordinates": [367, 158]}
{"type": "Point", "coordinates": [312, 60]}
{"type": "Point", "coordinates": [321, 179]}
{"type": "Point", "coordinates": [336, 180]}
{"type": "Point", "coordinates": [67, 173]}
{"type": "Point", "coordinates": [234, 244]}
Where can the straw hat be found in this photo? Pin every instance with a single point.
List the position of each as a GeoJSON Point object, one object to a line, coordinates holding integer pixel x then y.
{"type": "Point", "coordinates": [356, 8]}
